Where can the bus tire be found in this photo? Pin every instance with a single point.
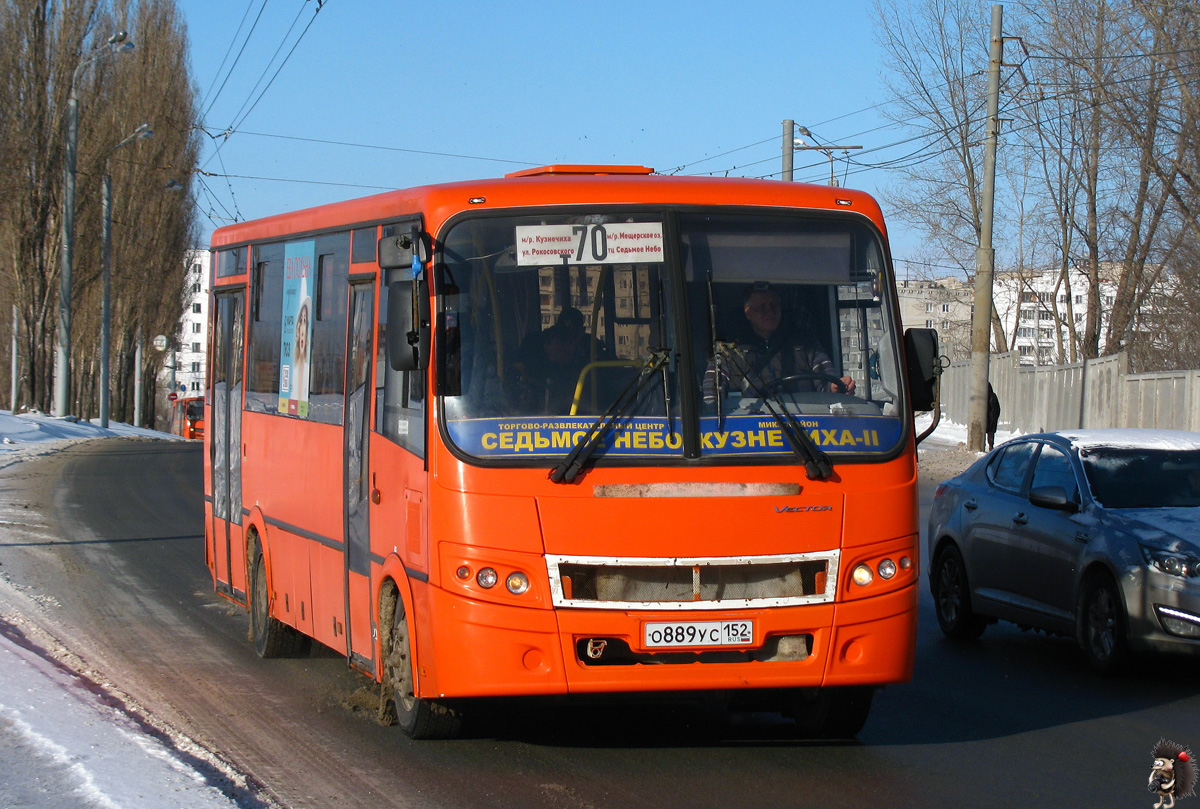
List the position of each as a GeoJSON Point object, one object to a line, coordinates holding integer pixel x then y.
{"type": "Point", "coordinates": [272, 637]}
{"type": "Point", "coordinates": [418, 718]}
{"type": "Point", "coordinates": [834, 712]}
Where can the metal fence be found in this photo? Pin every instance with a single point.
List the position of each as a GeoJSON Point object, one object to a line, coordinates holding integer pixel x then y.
{"type": "Point", "coordinates": [1095, 393]}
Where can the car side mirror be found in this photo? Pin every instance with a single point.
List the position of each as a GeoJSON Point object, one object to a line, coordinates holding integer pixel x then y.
{"type": "Point", "coordinates": [1054, 497]}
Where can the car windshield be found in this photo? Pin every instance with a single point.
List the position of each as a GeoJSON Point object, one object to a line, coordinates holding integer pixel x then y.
{"type": "Point", "coordinates": [544, 320]}
{"type": "Point", "coordinates": [1122, 477]}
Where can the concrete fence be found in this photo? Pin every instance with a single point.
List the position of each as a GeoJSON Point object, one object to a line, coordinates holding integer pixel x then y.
{"type": "Point", "coordinates": [1095, 393]}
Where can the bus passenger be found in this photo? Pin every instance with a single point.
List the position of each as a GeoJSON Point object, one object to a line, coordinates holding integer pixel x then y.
{"type": "Point", "coordinates": [769, 352]}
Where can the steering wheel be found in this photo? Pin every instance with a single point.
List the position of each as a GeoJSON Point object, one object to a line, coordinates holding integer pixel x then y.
{"type": "Point", "coordinates": [776, 385]}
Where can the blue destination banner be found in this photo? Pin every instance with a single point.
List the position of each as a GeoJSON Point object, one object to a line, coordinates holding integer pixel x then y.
{"type": "Point", "coordinates": [648, 437]}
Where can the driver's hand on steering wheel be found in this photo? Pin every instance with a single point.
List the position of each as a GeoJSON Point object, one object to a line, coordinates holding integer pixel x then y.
{"type": "Point", "coordinates": [849, 383]}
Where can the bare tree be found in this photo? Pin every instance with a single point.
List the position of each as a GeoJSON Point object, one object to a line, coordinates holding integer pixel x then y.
{"type": "Point", "coordinates": [1096, 153]}
{"type": "Point", "coordinates": [45, 48]}
{"type": "Point", "coordinates": [938, 52]}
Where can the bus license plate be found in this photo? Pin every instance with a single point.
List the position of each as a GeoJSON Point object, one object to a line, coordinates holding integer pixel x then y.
{"type": "Point", "coordinates": [699, 633]}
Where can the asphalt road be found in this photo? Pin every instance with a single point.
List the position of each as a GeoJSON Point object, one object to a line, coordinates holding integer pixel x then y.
{"type": "Point", "coordinates": [102, 545]}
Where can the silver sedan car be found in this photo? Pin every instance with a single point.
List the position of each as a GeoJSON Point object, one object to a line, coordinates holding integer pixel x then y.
{"type": "Point", "coordinates": [1093, 534]}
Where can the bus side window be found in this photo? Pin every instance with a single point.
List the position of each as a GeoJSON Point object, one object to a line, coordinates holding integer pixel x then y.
{"type": "Point", "coordinates": [328, 381]}
{"type": "Point", "coordinates": [399, 395]}
{"type": "Point", "coordinates": [266, 316]}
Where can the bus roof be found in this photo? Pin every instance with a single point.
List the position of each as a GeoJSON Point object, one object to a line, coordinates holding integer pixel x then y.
{"type": "Point", "coordinates": [549, 186]}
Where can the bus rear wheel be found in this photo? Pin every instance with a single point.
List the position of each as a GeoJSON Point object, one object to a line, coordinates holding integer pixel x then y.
{"type": "Point", "coordinates": [418, 718]}
{"type": "Point", "coordinates": [272, 638]}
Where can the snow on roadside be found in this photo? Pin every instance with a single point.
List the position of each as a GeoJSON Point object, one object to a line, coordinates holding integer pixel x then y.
{"type": "Point", "coordinates": [62, 736]}
{"type": "Point", "coordinates": [28, 435]}
{"type": "Point", "coordinates": [67, 740]}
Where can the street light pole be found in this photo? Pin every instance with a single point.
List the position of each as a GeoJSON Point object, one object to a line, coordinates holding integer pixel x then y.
{"type": "Point", "coordinates": [826, 150]}
{"type": "Point", "coordinates": [117, 43]}
{"type": "Point", "coordinates": [62, 356]}
{"type": "Point", "coordinates": [793, 144]}
{"type": "Point", "coordinates": [142, 131]}
{"type": "Point", "coordinates": [105, 305]}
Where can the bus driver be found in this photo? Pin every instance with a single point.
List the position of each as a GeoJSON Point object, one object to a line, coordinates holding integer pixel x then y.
{"type": "Point", "coordinates": [769, 352]}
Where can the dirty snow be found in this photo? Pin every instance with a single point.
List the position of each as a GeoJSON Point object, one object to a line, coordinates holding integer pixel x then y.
{"type": "Point", "coordinates": [65, 741]}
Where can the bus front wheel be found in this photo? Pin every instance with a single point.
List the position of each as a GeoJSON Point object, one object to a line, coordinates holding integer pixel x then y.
{"type": "Point", "coordinates": [418, 718]}
{"type": "Point", "coordinates": [833, 712]}
{"type": "Point", "coordinates": [272, 638]}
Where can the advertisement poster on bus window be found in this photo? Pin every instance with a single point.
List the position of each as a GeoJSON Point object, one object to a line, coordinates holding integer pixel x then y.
{"type": "Point", "coordinates": [295, 342]}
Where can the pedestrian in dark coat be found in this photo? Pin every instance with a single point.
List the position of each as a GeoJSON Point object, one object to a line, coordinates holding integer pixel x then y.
{"type": "Point", "coordinates": [993, 416]}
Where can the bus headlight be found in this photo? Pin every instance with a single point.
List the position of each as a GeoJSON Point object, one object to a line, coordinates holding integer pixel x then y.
{"type": "Point", "coordinates": [487, 578]}
{"type": "Point", "coordinates": [862, 575]}
{"type": "Point", "coordinates": [517, 583]}
{"type": "Point", "coordinates": [887, 569]}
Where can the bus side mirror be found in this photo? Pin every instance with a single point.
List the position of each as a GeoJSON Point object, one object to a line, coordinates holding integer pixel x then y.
{"type": "Point", "coordinates": [403, 250]}
{"type": "Point", "coordinates": [921, 361]}
{"type": "Point", "coordinates": [408, 326]}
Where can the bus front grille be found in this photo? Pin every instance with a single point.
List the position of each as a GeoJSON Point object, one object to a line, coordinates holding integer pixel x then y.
{"type": "Point", "coordinates": [696, 583]}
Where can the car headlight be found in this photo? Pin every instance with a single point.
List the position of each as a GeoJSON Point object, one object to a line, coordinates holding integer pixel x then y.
{"type": "Point", "coordinates": [1171, 562]}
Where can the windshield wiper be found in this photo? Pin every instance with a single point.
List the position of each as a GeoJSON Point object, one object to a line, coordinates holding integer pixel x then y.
{"type": "Point", "coordinates": [817, 465]}
{"type": "Point", "coordinates": [569, 467]}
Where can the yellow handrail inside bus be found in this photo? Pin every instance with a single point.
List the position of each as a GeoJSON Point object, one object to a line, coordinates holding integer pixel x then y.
{"type": "Point", "coordinates": [589, 368]}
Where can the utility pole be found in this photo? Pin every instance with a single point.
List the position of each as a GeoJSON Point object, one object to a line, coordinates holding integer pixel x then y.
{"type": "Point", "coordinates": [789, 146]}
{"type": "Point", "coordinates": [13, 381]}
{"type": "Point", "coordinates": [985, 255]}
{"type": "Point", "coordinates": [137, 381]}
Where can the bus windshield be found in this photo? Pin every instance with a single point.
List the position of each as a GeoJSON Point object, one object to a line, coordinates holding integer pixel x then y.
{"type": "Point", "coordinates": [759, 317]}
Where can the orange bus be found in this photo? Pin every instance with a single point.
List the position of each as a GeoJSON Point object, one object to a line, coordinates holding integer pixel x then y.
{"type": "Point", "coordinates": [187, 417]}
{"type": "Point", "coordinates": [459, 433]}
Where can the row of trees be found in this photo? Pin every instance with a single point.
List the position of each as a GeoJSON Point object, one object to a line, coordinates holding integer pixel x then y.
{"type": "Point", "coordinates": [45, 47]}
{"type": "Point", "coordinates": [1099, 162]}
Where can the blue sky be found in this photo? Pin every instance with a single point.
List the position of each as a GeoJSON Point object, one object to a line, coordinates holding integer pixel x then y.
{"type": "Point", "coordinates": [472, 89]}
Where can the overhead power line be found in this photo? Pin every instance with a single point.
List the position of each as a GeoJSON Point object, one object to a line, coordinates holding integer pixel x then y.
{"type": "Point", "coordinates": [241, 50]}
{"type": "Point", "coordinates": [379, 147]}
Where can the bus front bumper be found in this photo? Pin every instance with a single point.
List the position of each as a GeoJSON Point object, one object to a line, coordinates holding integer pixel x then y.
{"type": "Point", "coordinates": [485, 649]}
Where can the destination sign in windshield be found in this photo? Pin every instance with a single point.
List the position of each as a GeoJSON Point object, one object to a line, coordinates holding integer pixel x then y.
{"type": "Point", "coordinates": [609, 243]}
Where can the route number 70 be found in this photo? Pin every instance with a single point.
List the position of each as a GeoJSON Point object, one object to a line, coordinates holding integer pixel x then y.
{"type": "Point", "coordinates": [593, 237]}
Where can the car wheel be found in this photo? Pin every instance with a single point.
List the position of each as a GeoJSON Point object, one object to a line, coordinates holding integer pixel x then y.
{"type": "Point", "coordinates": [952, 597]}
{"type": "Point", "coordinates": [1102, 631]}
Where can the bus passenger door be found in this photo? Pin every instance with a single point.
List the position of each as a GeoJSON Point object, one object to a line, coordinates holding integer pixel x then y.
{"type": "Point", "coordinates": [225, 447]}
{"type": "Point", "coordinates": [359, 646]}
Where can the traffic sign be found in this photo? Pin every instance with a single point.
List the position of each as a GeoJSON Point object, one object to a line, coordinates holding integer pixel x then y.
{"type": "Point", "coordinates": [172, 396]}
